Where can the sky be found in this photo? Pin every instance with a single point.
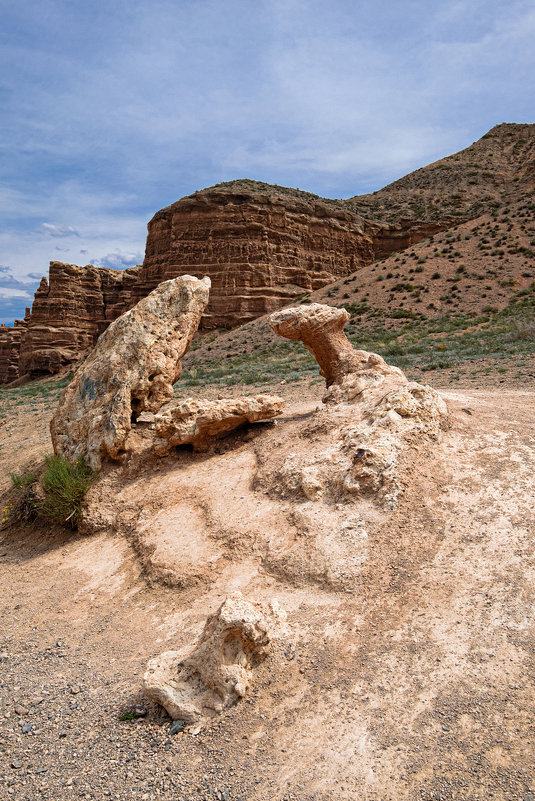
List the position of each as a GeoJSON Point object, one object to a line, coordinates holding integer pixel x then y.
{"type": "Point", "coordinates": [110, 111]}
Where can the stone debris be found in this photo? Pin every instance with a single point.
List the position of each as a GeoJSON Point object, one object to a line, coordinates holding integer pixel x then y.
{"type": "Point", "coordinates": [131, 370]}
{"type": "Point", "coordinates": [200, 422]}
{"type": "Point", "coordinates": [349, 374]}
{"type": "Point", "coordinates": [218, 672]}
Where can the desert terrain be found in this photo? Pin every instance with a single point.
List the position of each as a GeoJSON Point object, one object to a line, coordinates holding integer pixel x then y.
{"type": "Point", "coordinates": [409, 677]}
{"type": "Point", "coordinates": [405, 668]}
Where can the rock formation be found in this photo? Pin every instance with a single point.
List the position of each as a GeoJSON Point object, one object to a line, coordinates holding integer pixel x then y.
{"type": "Point", "coordinates": [392, 411]}
{"type": "Point", "coordinates": [219, 670]}
{"type": "Point", "coordinates": [260, 248]}
{"type": "Point", "coordinates": [347, 372]}
{"type": "Point", "coordinates": [10, 339]}
{"type": "Point", "coordinates": [200, 422]}
{"type": "Point", "coordinates": [69, 313]}
{"type": "Point", "coordinates": [264, 245]}
{"type": "Point", "coordinates": [132, 369]}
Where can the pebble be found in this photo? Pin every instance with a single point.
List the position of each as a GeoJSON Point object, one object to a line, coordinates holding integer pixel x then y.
{"type": "Point", "coordinates": [26, 729]}
{"type": "Point", "coordinates": [177, 726]}
{"type": "Point", "coordinates": [16, 765]}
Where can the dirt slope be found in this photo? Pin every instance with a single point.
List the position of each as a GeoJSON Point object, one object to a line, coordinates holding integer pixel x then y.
{"type": "Point", "coordinates": [497, 169]}
{"type": "Point", "coordinates": [413, 681]}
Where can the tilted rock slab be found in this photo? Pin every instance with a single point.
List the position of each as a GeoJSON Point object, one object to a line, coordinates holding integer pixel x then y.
{"type": "Point", "coordinates": [131, 370]}
{"type": "Point", "coordinates": [220, 668]}
{"type": "Point", "coordinates": [200, 422]}
{"type": "Point", "coordinates": [348, 372]}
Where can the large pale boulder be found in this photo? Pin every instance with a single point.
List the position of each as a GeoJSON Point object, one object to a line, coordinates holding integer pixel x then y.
{"type": "Point", "coordinates": [348, 373]}
{"type": "Point", "coordinates": [131, 370]}
{"type": "Point", "coordinates": [219, 670]}
{"type": "Point", "coordinates": [200, 422]}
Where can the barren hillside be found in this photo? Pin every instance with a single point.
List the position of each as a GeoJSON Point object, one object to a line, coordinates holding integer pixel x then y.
{"type": "Point", "coordinates": [496, 170]}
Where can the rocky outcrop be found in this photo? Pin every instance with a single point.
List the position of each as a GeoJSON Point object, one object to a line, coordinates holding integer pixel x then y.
{"type": "Point", "coordinates": [218, 672]}
{"type": "Point", "coordinates": [201, 422]}
{"type": "Point", "coordinates": [131, 370]}
{"type": "Point", "coordinates": [348, 373]}
{"type": "Point", "coordinates": [259, 248]}
{"type": "Point", "coordinates": [264, 245]}
{"type": "Point", "coordinates": [70, 311]}
{"type": "Point", "coordinates": [10, 340]}
{"type": "Point", "coordinates": [392, 412]}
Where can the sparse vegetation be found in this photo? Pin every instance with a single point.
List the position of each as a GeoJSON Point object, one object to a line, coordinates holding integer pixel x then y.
{"type": "Point", "coordinates": [64, 486]}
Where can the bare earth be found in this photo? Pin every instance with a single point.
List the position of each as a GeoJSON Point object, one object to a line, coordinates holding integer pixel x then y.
{"type": "Point", "coordinates": [412, 679]}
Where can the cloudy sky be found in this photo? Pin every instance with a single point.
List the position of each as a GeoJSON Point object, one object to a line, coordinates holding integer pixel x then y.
{"type": "Point", "coordinates": [110, 111]}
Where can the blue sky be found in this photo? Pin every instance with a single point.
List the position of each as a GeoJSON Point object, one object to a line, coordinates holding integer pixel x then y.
{"type": "Point", "coordinates": [110, 111]}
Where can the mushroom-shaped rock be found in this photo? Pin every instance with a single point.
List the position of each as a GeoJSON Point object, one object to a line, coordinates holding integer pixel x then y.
{"type": "Point", "coordinates": [131, 369]}
{"type": "Point", "coordinates": [200, 422]}
{"type": "Point", "coordinates": [219, 670]}
{"type": "Point", "coordinates": [347, 372]}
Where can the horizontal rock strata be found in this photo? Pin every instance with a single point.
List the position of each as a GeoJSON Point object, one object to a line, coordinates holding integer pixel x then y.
{"type": "Point", "coordinates": [260, 250]}
{"type": "Point", "coordinates": [10, 341]}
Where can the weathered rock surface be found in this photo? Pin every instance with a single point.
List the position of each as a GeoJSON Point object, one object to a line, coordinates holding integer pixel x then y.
{"type": "Point", "coordinates": [10, 339]}
{"type": "Point", "coordinates": [200, 422]}
{"type": "Point", "coordinates": [357, 451]}
{"type": "Point", "coordinates": [348, 372]}
{"type": "Point", "coordinates": [364, 456]}
{"type": "Point", "coordinates": [219, 670]}
{"type": "Point", "coordinates": [260, 248]}
{"type": "Point", "coordinates": [132, 369]}
{"type": "Point", "coordinates": [69, 313]}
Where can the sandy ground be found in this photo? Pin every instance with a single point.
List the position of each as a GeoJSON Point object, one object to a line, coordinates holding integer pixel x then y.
{"type": "Point", "coordinates": [413, 681]}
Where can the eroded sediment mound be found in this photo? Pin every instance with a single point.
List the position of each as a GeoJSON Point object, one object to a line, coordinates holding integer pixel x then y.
{"type": "Point", "coordinates": [299, 503]}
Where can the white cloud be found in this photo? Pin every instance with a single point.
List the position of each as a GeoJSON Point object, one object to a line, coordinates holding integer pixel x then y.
{"type": "Point", "coordinates": [7, 292]}
{"type": "Point", "coordinates": [118, 260]}
{"type": "Point", "coordinates": [60, 231]}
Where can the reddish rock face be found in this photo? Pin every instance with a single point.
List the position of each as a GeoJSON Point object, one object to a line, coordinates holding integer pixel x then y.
{"type": "Point", "coordinates": [259, 250]}
{"type": "Point", "coordinates": [69, 313]}
{"type": "Point", "coordinates": [10, 338]}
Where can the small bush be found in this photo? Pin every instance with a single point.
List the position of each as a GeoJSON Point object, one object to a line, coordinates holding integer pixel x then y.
{"type": "Point", "coordinates": [26, 506]}
{"type": "Point", "coordinates": [64, 487]}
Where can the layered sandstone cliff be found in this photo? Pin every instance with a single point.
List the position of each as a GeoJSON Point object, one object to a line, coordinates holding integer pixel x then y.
{"type": "Point", "coordinates": [70, 311]}
{"type": "Point", "coordinates": [260, 249]}
{"type": "Point", "coordinates": [10, 339]}
{"type": "Point", "coordinates": [263, 246]}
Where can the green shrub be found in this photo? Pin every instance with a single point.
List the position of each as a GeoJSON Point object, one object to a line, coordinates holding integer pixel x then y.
{"type": "Point", "coordinates": [21, 480]}
{"type": "Point", "coordinates": [64, 486]}
{"type": "Point", "coordinates": [26, 506]}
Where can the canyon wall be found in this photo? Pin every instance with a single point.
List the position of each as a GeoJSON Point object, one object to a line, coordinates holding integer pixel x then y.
{"type": "Point", "coordinates": [260, 249]}
{"type": "Point", "coordinates": [10, 339]}
{"type": "Point", "coordinates": [70, 311]}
